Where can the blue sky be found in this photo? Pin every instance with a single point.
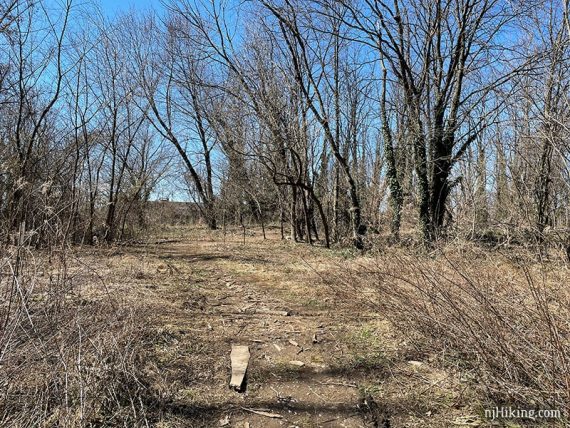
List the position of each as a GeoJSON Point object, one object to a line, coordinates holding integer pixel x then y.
{"type": "Point", "coordinates": [111, 7]}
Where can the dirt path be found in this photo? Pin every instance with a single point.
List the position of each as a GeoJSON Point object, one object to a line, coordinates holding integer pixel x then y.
{"type": "Point", "coordinates": [329, 363]}
{"type": "Point", "coordinates": [211, 293]}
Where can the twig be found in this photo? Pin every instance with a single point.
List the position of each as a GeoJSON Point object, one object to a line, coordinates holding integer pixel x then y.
{"type": "Point", "coordinates": [262, 413]}
{"type": "Point", "coordinates": [348, 385]}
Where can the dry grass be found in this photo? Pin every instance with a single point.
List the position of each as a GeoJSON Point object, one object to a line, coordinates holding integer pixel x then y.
{"type": "Point", "coordinates": [139, 335]}
{"type": "Point", "coordinates": [70, 352]}
{"type": "Point", "coordinates": [502, 321]}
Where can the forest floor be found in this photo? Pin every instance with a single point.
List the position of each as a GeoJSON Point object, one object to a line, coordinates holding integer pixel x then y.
{"type": "Point", "coordinates": [331, 362]}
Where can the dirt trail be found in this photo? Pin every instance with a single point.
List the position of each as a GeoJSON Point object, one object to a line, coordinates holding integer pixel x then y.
{"type": "Point", "coordinates": [215, 292]}
{"type": "Point", "coordinates": [330, 362]}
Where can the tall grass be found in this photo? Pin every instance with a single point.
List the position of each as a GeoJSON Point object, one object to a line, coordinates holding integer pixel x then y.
{"type": "Point", "coordinates": [69, 353]}
{"type": "Point", "coordinates": [507, 322]}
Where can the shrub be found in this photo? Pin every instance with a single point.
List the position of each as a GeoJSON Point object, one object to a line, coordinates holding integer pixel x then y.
{"type": "Point", "coordinates": [505, 322]}
{"type": "Point", "coordinates": [69, 355]}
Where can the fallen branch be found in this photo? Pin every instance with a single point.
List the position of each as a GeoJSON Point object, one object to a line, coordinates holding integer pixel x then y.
{"type": "Point", "coordinates": [263, 413]}
{"type": "Point", "coordinates": [348, 385]}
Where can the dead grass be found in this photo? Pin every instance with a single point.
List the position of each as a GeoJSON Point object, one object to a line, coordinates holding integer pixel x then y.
{"type": "Point", "coordinates": [152, 324]}
{"type": "Point", "coordinates": [71, 352]}
{"type": "Point", "coordinates": [498, 320]}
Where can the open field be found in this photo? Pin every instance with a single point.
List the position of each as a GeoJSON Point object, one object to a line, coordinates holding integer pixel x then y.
{"type": "Point", "coordinates": [178, 301]}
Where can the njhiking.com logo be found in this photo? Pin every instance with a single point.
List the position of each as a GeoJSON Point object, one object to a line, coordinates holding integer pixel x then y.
{"type": "Point", "coordinates": [515, 413]}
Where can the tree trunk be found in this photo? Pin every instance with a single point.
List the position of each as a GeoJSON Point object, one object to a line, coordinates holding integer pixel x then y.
{"type": "Point", "coordinates": [396, 197]}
